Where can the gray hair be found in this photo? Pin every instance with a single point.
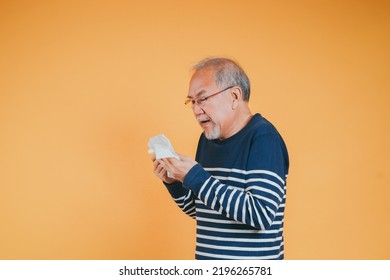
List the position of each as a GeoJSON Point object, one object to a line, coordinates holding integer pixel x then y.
{"type": "Point", "coordinates": [227, 73]}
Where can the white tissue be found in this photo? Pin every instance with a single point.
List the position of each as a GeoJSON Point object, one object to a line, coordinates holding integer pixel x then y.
{"type": "Point", "coordinates": [161, 146]}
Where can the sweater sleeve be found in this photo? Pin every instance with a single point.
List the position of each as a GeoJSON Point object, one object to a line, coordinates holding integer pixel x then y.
{"type": "Point", "coordinates": [183, 197]}
{"type": "Point", "coordinates": [257, 202]}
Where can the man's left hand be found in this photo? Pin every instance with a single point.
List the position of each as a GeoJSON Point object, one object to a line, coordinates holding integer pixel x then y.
{"type": "Point", "coordinates": [178, 169]}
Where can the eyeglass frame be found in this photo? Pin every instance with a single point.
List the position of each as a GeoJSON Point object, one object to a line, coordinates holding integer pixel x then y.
{"type": "Point", "coordinates": [202, 99]}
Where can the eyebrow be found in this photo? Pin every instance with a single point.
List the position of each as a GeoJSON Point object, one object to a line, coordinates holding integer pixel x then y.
{"type": "Point", "coordinates": [199, 93]}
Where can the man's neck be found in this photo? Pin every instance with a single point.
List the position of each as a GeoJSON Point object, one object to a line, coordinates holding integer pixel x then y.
{"type": "Point", "coordinates": [239, 123]}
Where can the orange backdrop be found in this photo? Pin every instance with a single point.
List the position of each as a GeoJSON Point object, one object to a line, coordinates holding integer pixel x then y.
{"type": "Point", "coordinates": [85, 84]}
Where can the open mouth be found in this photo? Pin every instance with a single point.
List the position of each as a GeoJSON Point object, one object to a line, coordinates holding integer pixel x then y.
{"type": "Point", "coordinates": [203, 121]}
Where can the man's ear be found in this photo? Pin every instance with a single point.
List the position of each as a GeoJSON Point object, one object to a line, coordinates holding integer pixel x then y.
{"type": "Point", "coordinates": [236, 94]}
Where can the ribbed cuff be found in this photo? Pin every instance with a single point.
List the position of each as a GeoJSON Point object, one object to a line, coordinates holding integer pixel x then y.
{"type": "Point", "coordinates": [175, 189]}
{"type": "Point", "coordinates": [195, 178]}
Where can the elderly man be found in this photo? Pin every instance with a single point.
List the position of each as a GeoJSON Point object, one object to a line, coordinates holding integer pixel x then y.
{"type": "Point", "coordinates": [236, 188]}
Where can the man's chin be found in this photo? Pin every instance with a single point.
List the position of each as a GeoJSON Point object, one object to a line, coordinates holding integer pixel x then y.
{"type": "Point", "coordinates": [212, 135]}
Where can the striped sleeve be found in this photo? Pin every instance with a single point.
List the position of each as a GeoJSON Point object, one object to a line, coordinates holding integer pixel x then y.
{"type": "Point", "coordinates": [251, 196]}
{"type": "Point", "coordinates": [183, 197]}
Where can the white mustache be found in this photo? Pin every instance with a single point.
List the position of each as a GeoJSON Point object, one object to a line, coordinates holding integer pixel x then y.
{"type": "Point", "coordinates": [202, 119]}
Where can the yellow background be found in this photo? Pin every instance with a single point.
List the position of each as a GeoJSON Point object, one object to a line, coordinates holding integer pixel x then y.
{"type": "Point", "coordinates": [85, 84]}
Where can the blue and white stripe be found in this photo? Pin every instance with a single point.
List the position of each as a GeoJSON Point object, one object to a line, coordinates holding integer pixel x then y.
{"type": "Point", "coordinates": [238, 197]}
{"type": "Point", "coordinates": [234, 221]}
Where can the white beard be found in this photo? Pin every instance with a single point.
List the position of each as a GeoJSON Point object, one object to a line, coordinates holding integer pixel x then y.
{"type": "Point", "coordinates": [215, 133]}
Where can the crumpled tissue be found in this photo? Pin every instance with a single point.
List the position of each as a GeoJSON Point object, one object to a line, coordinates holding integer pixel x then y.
{"type": "Point", "coordinates": [161, 146]}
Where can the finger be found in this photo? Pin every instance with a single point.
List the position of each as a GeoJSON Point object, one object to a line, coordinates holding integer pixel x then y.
{"type": "Point", "coordinates": [172, 161]}
{"type": "Point", "coordinates": [168, 165]}
{"type": "Point", "coordinates": [155, 164]}
{"type": "Point", "coordinates": [153, 157]}
{"type": "Point", "coordinates": [164, 166]}
{"type": "Point", "coordinates": [161, 173]}
{"type": "Point", "coordinates": [159, 167]}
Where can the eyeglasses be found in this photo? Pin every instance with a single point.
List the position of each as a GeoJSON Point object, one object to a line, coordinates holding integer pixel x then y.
{"type": "Point", "coordinates": [200, 101]}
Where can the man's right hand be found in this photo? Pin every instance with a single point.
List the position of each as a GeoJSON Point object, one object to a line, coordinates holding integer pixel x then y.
{"type": "Point", "coordinates": [161, 172]}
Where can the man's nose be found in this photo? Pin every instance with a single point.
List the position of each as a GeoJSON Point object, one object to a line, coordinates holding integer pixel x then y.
{"type": "Point", "coordinates": [197, 109]}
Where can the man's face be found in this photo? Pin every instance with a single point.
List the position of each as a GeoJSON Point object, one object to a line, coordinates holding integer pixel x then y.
{"type": "Point", "coordinates": [214, 114]}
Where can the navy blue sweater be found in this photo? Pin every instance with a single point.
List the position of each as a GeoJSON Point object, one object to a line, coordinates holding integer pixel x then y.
{"type": "Point", "coordinates": [237, 193]}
